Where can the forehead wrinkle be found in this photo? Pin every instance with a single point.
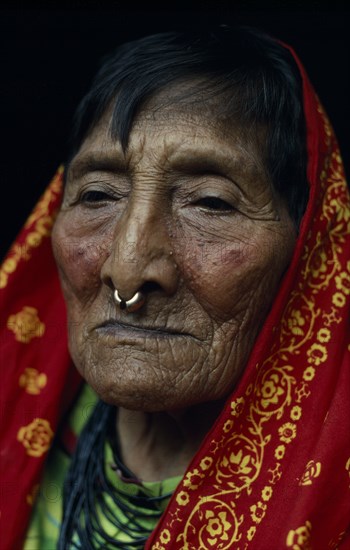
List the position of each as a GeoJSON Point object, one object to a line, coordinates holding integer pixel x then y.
{"type": "Point", "coordinates": [199, 136]}
{"type": "Point", "coordinates": [197, 155]}
{"type": "Point", "coordinates": [166, 139]}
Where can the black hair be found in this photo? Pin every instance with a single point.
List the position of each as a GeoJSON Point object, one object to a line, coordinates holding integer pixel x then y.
{"type": "Point", "coordinates": [255, 76]}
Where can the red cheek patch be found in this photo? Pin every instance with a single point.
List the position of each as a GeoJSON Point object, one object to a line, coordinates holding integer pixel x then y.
{"type": "Point", "coordinates": [80, 263]}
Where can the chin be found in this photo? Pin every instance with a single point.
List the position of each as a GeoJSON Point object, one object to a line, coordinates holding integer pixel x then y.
{"type": "Point", "coordinates": [135, 395]}
{"type": "Point", "coordinates": [150, 398]}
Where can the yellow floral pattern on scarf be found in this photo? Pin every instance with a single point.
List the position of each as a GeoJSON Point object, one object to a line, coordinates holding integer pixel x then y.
{"type": "Point", "coordinates": [299, 539]}
{"type": "Point", "coordinates": [32, 381]}
{"type": "Point", "coordinates": [312, 470]}
{"type": "Point", "coordinates": [26, 325]}
{"type": "Point", "coordinates": [36, 437]}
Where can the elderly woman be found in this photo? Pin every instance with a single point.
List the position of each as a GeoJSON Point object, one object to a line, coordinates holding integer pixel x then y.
{"type": "Point", "coordinates": [202, 245]}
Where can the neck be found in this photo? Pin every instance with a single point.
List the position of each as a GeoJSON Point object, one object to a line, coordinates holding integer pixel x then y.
{"type": "Point", "coordinates": [157, 446]}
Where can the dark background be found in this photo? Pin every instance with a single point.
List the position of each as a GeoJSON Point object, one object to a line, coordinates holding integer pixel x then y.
{"type": "Point", "coordinates": [49, 55]}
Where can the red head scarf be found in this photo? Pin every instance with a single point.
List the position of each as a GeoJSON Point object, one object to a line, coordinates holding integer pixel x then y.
{"type": "Point", "coordinates": [274, 471]}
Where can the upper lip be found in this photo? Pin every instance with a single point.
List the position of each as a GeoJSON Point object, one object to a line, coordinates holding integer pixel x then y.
{"type": "Point", "coordinates": [144, 327]}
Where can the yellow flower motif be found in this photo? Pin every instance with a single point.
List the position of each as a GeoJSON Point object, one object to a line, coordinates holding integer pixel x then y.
{"type": "Point", "coordinates": [279, 452]}
{"type": "Point", "coordinates": [295, 322]}
{"type": "Point", "coordinates": [228, 426]}
{"type": "Point", "coordinates": [206, 462]}
{"type": "Point", "coordinates": [165, 536]}
{"type": "Point", "coordinates": [193, 479]}
{"type": "Point", "coordinates": [32, 381]}
{"type": "Point", "coordinates": [271, 391]}
{"type": "Point", "coordinates": [182, 498]}
{"type": "Point", "coordinates": [300, 539]}
{"type": "Point", "coordinates": [241, 461]}
{"type": "Point", "coordinates": [36, 437]}
{"type": "Point", "coordinates": [251, 532]}
{"type": "Point", "coordinates": [34, 239]}
{"type": "Point", "coordinates": [9, 265]}
{"type": "Point", "coordinates": [237, 406]}
{"type": "Point", "coordinates": [317, 354]}
{"type": "Point", "coordinates": [342, 282]}
{"type": "Point", "coordinates": [217, 527]}
{"type": "Point", "coordinates": [287, 432]}
{"type": "Point", "coordinates": [257, 511]}
{"type": "Point", "coordinates": [323, 335]}
{"type": "Point", "coordinates": [338, 299]}
{"type": "Point", "coordinates": [312, 470]}
{"type": "Point", "coordinates": [26, 325]}
{"type": "Point", "coordinates": [266, 493]}
{"type": "Point", "coordinates": [295, 413]}
{"type": "Point", "coordinates": [309, 374]}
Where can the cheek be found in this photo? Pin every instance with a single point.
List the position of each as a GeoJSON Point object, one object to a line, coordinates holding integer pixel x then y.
{"type": "Point", "coordinates": [227, 278]}
{"type": "Point", "coordinates": [212, 272]}
{"type": "Point", "coordinates": [79, 259]}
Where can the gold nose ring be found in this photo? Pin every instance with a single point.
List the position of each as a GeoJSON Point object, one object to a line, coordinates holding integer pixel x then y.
{"type": "Point", "coordinates": [135, 303]}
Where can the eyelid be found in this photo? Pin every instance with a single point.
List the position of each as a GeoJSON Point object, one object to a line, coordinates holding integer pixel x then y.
{"type": "Point", "coordinates": [195, 191]}
{"type": "Point", "coordinates": [110, 186]}
{"type": "Point", "coordinates": [219, 204]}
{"type": "Point", "coordinates": [104, 196]}
{"type": "Point", "coordinates": [107, 194]}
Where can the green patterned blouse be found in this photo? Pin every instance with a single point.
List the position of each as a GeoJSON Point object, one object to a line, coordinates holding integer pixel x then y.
{"type": "Point", "coordinates": [45, 523]}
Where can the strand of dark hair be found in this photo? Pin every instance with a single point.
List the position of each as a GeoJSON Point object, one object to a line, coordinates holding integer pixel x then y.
{"type": "Point", "coordinates": [87, 486]}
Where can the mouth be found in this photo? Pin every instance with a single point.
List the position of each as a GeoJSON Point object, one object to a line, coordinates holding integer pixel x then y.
{"type": "Point", "coordinates": [118, 330]}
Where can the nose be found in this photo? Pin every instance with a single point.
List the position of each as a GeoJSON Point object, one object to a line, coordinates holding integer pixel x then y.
{"type": "Point", "coordinates": [141, 257]}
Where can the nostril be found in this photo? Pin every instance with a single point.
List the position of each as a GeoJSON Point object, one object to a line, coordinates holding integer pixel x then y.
{"type": "Point", "coordinates": [108, 281]}
{"type": "Point", "coordinates": [150, 286]}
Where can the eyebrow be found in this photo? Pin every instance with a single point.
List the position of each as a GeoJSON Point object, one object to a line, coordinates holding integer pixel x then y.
{"type": "Point", "coordinates": [198, 162]}
{"type": "Point", "coordinates": [94, 162]}
{"type": "Point", "coordinates": [226, 163]}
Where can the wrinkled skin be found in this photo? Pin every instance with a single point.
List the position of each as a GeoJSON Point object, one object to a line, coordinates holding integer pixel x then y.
{"type": "Point", "coordinates": [189, 215]}
{"type": "Point", "coordinates": [211, 267]}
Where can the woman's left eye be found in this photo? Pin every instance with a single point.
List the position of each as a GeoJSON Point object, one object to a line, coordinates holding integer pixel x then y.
{"type": "Point", "coordinates": [215, 203]}
{"type": "Point", "coordinates": [94, 196]}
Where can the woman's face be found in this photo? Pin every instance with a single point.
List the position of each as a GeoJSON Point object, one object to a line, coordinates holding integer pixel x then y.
{"type": "Point", "coordinates": [187, 214]}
